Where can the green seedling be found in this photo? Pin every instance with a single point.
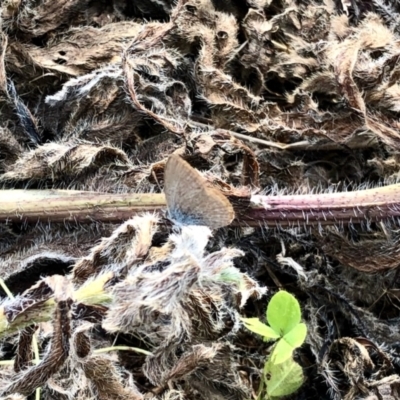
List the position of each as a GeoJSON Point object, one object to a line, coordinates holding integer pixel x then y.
{"type": "Point", "coordinates": [282, 375]}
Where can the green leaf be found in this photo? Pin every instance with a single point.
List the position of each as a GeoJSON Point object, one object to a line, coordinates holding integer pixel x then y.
{"type": "Point", "coordinates": [234, 276]}
{"type": "Point", "coordinates": [297, 335]}
{"type": "Point", "coordinates": [283, 379]}
{"type": "Point", "coordinates": [283, 312]}
{"type": "Point", "coordinates": [285, 347]}
{"type": "Point", "coordinates": [281, 352]}
{"type": "Point", "coordinates": [231, 274]}
{"type": "Point", "coordinates": [256, 326]}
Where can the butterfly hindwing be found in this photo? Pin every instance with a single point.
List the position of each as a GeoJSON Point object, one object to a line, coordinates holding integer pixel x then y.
{"type": "Point", "coordinates": [191, 200]}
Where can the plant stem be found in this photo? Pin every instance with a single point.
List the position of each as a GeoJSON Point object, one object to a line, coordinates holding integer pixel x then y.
{"type": "Point", "coordinates": [73, 205]}
{"type": "Point", "coordinates": [375, 204]}
{"type": "Point", "coordinates": [311, 209]}
{"type": "Point", "coordinates": [122, 348]}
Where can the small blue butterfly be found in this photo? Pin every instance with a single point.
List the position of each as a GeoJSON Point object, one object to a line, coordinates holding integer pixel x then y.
{"type": "Point", "coordinates": [191, 200]}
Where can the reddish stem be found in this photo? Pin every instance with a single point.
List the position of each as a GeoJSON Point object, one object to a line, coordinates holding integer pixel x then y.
{"type": "Point", "coordinates": [376, 204]}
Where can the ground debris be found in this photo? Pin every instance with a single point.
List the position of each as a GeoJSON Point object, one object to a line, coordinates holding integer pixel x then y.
{"type": "Point", "coordinates": [266, 96]}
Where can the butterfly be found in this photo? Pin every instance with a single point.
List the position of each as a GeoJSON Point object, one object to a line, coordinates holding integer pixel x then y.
{"type": "Point", "coordinates": [191, 200]}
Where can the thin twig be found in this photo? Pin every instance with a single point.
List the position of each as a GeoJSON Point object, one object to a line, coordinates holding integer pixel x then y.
{"type": "Point", "coordinates": [305, 145]}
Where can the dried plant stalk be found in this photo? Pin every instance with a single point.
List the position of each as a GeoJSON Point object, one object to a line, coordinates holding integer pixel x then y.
{"type": "Point", "coordinates": [327, 208]}
{"type": "Point", "coordinates": [80, 206]}
{"type": "Point", "coordinates": [91, 293]}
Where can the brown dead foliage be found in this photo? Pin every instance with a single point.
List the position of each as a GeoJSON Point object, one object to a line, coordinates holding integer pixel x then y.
{"type": "Point", "coordinates": [281, 96]}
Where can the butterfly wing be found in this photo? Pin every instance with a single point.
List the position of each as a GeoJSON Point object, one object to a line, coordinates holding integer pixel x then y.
{"type": "Point", "coordinates": [190, 199]}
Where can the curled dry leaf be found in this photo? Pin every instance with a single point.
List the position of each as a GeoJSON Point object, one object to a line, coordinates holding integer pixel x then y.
{"type": "Point", "coordinates": [127, 245]}
{"type": "Point", "coordinates": [27, 380]}
{"type": "Point", "coordinates": [96, 368]}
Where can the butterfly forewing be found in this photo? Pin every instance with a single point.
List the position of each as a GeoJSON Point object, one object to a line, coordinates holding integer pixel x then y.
{"type": "Point", "coordinates": [191, 200]}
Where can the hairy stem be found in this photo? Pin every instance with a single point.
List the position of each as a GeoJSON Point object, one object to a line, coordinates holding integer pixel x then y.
{"type": "Point", "coordinates": [375, 204]}
{"type": "Point", "coordinates": [328, 208]}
